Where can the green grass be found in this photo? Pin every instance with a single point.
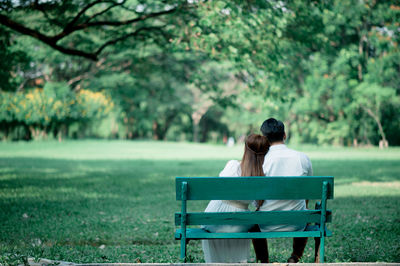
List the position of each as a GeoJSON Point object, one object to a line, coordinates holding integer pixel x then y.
{"type": "Point", "coordinates": [113, 201]}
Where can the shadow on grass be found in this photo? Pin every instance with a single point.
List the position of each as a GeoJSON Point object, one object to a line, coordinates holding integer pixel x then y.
{"type": "Point", "coordinates": [351, 171]}
{"type": "Point", "coordinates": [365, 228]}
{"type": "Point", "coordinates": [80, 171]}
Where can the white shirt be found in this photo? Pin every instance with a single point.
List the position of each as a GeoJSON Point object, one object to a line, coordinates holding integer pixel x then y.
{"type": "Point", "coordinates": [282, 161]}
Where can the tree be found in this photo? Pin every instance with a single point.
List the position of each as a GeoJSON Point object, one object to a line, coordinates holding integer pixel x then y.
{"type": "Point", "coordinates": [213, 84]}
{"type": "Point", "coordinates": [372, 98]}
{"type": "Point", "coordinates": [165, 64]}
{"type": "Point", "coordinates": [51, 109]}
{"type": "Point", "coordinates": [87, 28]}
{"type": "Point", "coordinates": [331, 48]}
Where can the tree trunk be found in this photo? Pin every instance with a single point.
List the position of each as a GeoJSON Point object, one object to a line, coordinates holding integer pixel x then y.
{"type": "Point", "coordinates": [155, 129]}
{"type": "Point", "coordinates": [355, 142]}
{"type": "Point", "coordinates": [27, 135]}
{"type": "Point", "coordinates": [162, 131]}
{"type": "Point", "coordinates": [60, 133]}
{"type": "Point", "coordinates": [287, 129]}
{"type": "Point", "coordinates": [361, 53]}
{"type": "Point", "coordinates": [196, 117]}
{"type": "Point", "coordinates": [378, 122]}
{"type": "Point", "coordinates": [204, 133]}
{"type": "Point", "coordinates": [5, 128]}
{"type": "Point", "coordinates": [33, 132]}
{"type": "Point", "coordinates": [196, 131]}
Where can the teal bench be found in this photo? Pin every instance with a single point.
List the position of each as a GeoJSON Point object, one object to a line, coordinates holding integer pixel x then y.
{"type": "Point", "coordinates": [254, 188]}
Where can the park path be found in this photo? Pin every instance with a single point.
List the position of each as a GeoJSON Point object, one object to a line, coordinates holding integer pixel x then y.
{"type": "Point", "coordinates": [46, 262]}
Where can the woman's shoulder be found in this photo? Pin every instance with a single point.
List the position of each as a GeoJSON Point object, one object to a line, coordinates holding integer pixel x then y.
{"type": "Point", "coordinates": [232, 168]}
{"type": "Point", "coordinates": [233, 162]}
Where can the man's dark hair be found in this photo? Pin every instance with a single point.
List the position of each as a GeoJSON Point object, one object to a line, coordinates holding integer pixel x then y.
{"type": "Point", "coordinates": [273, 129]}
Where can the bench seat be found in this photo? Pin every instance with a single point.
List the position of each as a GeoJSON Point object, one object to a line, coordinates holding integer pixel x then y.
{"type": "Point", "coordinates": [198, 233]}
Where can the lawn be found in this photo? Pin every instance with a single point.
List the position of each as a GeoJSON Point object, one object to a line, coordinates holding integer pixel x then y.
{"type": "Point", "coordinates": [113, 201]}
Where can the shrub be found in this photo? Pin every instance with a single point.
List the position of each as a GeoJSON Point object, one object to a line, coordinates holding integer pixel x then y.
{"type": "Point", "coordinates": [50, 109]}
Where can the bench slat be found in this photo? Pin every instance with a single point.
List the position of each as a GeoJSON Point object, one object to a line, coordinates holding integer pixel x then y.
{"type": "Point", "coordinates": [196, 233]}
{"type": "Point", "coordinates": [242, 218]}
{"type": "Point", "coordinates": [250, 188]}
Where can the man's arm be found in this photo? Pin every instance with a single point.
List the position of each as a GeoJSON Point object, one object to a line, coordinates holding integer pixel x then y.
{"type": "Point", "coordinates": [309, 172]}
{"type": "Point", "coordinates": [309, 167]}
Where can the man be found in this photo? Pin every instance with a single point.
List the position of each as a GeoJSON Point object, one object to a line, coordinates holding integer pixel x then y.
{"type": "Point", "coordinates": [282, 161]}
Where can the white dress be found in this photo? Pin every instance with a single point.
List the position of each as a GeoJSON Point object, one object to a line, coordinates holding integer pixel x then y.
{"type": "Point", "coordinates": [227, 250]}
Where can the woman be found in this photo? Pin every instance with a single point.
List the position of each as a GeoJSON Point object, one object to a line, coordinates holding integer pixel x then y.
{"type": "Point", "coordinates": [235, 250]}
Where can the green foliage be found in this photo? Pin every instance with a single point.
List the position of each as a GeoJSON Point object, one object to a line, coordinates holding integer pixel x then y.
{"type": "Point", "coordinates": [328, 54]}
{"type": "Point", "coordinates": [215, 68]}
{"type": "Point", "coordinates": [11, 59]}
{"type": "Point", "coordinates": [374, 96]}
{"type": "Point", "coordinates": [50, 108]}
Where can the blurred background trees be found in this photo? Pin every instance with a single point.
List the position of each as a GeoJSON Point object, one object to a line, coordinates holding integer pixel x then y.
{"type": "Point", "coordinates": [200, 70]}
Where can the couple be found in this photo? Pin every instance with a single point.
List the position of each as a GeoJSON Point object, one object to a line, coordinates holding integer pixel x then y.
{"type": "Point", "coordinates": [263, 155]}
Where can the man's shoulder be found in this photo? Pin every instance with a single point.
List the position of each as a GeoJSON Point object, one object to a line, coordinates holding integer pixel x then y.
{"type": "Point", "coordinates": [299, 154]}
{"type": "Point", "coordinates": [285, 152]}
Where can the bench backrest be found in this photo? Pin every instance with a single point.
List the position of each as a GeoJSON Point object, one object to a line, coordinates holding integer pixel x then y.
{"type": "Point", "coordinates": [252, 188]}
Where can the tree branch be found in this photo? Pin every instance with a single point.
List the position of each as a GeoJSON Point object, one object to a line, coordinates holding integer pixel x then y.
{"type": "Point", "coordinates": [69, 30]}
{"type": "Point", "coordinates": [71, 27]}
{"type": "Point", "coordinates": [76, 52]}
{"type": "Point", "coordinates": [6, 21]}
{"type": "Point", "coordinates": [46, 15]}
{"type": "Point", "coordinates": [377, 120]}
{"type": "Point", "coordinates": [130, 21]}
{"type": "Point", "coordinates": [76, 18]}
{"type": "Point", "coordinates": [105, 10]}
{"type": "Point", "coordinates": [135, 33]}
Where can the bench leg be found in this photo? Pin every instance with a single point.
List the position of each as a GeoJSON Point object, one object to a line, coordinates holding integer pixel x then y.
{"type": "Point", "coordinates": [322, 250]}
{"type": "Point", "coordinates": [317, 245]}
{"type": "Point", "coordinates": [183, 249]}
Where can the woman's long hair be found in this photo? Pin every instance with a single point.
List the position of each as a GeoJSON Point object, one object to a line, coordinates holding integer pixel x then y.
{"type": "Point", "coordinates": [256, 146]}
